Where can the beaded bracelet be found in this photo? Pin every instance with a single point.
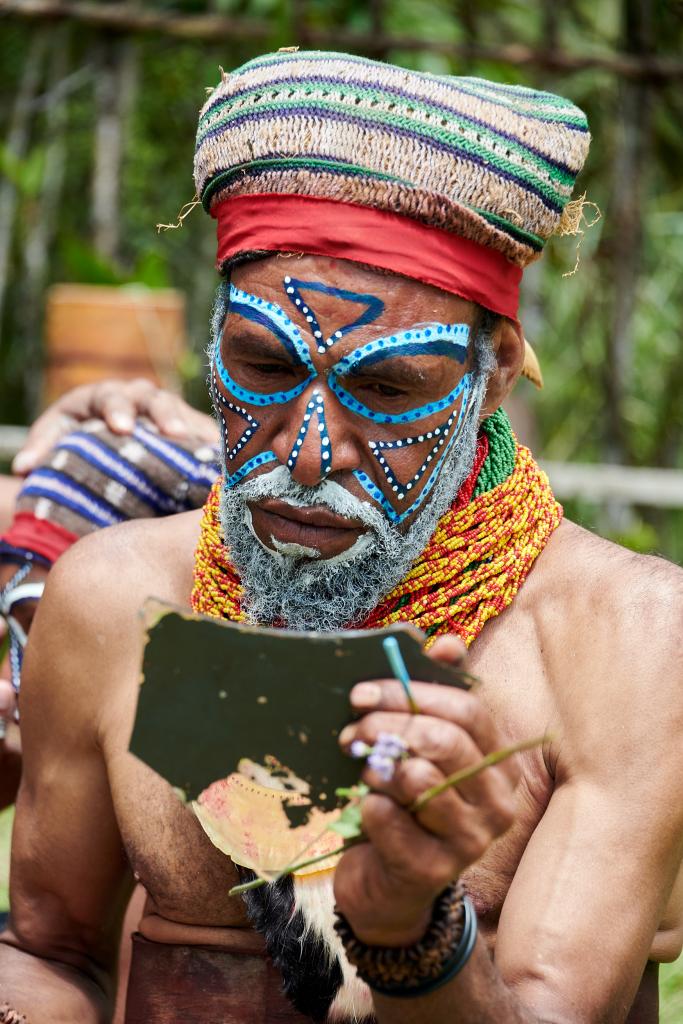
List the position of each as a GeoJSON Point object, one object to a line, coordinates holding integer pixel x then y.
{"type": "Point", "coordinates": [409, 971]}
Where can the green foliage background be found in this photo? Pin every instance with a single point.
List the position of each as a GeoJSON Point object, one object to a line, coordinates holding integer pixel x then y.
{"type": "Point", "coordinates": [611, 394]}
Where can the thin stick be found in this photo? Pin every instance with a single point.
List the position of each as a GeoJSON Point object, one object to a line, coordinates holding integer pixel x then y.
{"type": "Point", "coordinates": [398, 667]}
{"type": "Point", "coordinates": [468, 773]}
{"type": "Point", "coordinates": [256, 883]}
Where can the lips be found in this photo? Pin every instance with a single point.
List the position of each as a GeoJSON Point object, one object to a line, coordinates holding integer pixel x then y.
{"type": "Point", "coordinates": [316, 515]}
{"type": "Point", "coordinates": [315, 527]}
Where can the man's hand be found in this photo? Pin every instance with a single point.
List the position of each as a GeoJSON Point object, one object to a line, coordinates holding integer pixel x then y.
{"type": "Point", "coordinates": [386, 887]}
{"type": "Point", "coordinates": [118, 403]}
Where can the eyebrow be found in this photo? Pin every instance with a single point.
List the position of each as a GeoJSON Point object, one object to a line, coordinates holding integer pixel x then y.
{"type": "Point", "coordinates": [403, 372]}
{"type": "Point", "coordinates": [256, 344]}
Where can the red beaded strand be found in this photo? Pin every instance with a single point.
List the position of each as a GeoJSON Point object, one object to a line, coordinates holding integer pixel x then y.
{"type": "Point", "coordinates": [476, 561]}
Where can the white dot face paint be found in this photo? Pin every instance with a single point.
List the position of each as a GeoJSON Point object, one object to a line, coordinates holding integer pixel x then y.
{"type": "Point", "coordinates": [431, 339]}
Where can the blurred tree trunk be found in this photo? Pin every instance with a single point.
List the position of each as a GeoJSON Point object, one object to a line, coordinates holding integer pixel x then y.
{"type": "Point", "coordinates": [466, 13]}
{"type": "Point", "coordinates": [16, 146]}
{"type": "Point", "coordinates": [115, 84]}
{"type": "Point", "coordinates": [42, 214]}
{"type": "Point", "coordinates": [550, 20]}
{"type": "Point", "coordinates": [625, 241]}
{"type": "Point", "coordinates": [377, 11]}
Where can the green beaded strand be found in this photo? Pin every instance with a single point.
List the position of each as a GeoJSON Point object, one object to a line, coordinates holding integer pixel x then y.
{"type": "Point", "coordinates": [500, 460]}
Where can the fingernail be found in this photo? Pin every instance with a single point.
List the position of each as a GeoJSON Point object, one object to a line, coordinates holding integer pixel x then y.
{"type": "Point", "coordinates": [23, 462]}
{"type": "Point", "coordinates": [366, 695]}
{"type": "Point", "coordinates": [346, 735]}
{"type": "Point", "coordinates": [176, 426]}
{"type": "Point", "coordinates": [121, 421]}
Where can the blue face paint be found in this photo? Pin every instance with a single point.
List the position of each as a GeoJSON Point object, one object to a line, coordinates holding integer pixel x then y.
{"type": "Point", "coordinates": [250, 429]}
{"type": "Point", "coordinates": [400, 489]}
{"type": "Point", "coordinates": [255, 397]}
{"type": "Point", "coordinates": [374, 309]}
{"type": "Point", "coordinates": [316, 407]}
{"type": "Point", "coordinates": [270, 315]}
{"type": "Point", "coordinates": [448, 340]}
{"type": "Point", "coordinates": [259, 460]}
{"type": "Point", "coordinates": [231, 453]}
{"type": "Point", "coordinates": [444, 339]}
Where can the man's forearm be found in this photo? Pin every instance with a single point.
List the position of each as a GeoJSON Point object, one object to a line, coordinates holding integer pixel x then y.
{"type": "Point", "coordinates": [478, 994]}
{"type": "Point", "coordinates": [46, 992]}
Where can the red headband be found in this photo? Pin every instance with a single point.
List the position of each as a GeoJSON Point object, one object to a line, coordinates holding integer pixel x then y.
{"type": "Point", "coordinates": [324, 227]}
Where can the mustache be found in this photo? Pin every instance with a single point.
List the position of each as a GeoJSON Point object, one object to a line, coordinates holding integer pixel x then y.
{"type": "Point", "coordinates": [279, 483]}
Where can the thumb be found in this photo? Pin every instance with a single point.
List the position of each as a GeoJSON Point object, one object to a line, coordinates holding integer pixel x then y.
{"type": "Point", "coordinates": [450, 650]}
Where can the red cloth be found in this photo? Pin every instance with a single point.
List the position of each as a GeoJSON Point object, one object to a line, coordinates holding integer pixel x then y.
{"type": "Point", "coordinates": [291, 223]}
{"type": "Point", "coordinates": [39, 536]}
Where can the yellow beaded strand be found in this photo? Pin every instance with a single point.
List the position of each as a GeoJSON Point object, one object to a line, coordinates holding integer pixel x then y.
{"type": "Point", "coordinates": [470, 571]}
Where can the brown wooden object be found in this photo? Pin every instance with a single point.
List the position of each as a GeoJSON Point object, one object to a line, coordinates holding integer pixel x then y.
{"type": "Point", "coordinates": [170, 984]}
{"type": "Point", "coordinates": [94, 332]}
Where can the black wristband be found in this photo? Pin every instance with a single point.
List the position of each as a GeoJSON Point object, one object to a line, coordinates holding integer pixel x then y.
{"type": "Point", "coordinates": [411, 971]}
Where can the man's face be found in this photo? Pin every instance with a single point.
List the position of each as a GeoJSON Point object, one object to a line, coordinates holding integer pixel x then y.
{"type": "Point", "coordinates": [342, 396]}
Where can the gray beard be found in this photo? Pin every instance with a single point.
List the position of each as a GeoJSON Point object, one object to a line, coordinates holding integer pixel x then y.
{"type": "Point", "coordinates": [291, 587]}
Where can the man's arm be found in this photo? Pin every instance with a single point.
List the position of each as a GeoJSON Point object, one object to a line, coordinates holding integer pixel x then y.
{"type": "Point", "coordinates": [590, 891]}
{"type": "Point", "coordinates": [69, 879]}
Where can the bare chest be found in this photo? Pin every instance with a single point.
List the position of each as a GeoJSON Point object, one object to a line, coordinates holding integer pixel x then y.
{"type": "Point", "coordinates": [188, 879]}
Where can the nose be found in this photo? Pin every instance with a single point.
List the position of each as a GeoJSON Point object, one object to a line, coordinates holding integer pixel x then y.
{"type": "Point", "coordinates": [316, 441]}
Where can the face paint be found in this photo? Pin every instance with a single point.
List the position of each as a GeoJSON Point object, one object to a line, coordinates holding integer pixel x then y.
{"type": "Point", "coordinates": [441, 339]}
{"type": "Point", "coordinates": [271, 316]}
{"type": "Point", "coordinates": [449, 340]}
{"type": "Point", "coordinates": [262, 459]}
{"type": "Point", "coordinates": [400, 489]}
{"type": "Point", "coordinates": [374, 309]}
{"type": "Point", "coordinates": [316, 407]}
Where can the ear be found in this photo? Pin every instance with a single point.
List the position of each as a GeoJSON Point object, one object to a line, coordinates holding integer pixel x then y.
{"type": "Point", "coordinates": [508, 345]}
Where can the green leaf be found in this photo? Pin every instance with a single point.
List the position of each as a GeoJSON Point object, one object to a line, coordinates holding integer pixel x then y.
{"type": "Point", "coordinates": [346, 828]}
{"type": "Point", "coordinates": [352, 792]}
{"type": "Point", "coordinates": [349, 822]}
{"type": "Point", "coordinates": [152, 271]}
{"type": "Point", "coordinates": [32, 172]}
{"type": "Point", "coordinates": [85, 265]}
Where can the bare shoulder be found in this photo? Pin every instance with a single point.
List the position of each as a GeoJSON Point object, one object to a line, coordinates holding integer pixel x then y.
{"type": "Point", "coordinates": [600, 582]}
{"type": "Point", "coordinates": [610, 623]}
{"type": "Point", "coordinates": [87, 635]}
{"type": "Point", "coordinates": [119, 567]}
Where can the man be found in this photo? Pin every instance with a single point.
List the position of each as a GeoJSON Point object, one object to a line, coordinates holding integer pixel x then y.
{"type": "Point", "coordinates": [373, 223]}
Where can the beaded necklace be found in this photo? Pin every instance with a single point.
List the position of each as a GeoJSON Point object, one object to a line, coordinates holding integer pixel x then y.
{"type": "Point", "coordinates": [474, 564]}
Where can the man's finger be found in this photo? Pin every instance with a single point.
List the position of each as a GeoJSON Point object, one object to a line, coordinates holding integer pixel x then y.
{"type": "Point", "coordinates": [167, 413]}
{"type": "Point", "coordinates": [117, 411]}
{"type": "Point", "coordinates": [411, 855]}
{"type": "Point", "coordinates": [6, 705]}
{"type": "Point", "coordinates": [449, 702]}
{"type": "Point", "coordinates": [201, 426]}
{"type": "Point", "coordinates": [41, 439]}
{"type": "Point", "coordinates": [446, 745]}
{"type": "Point", "coordinates": [75, 406]}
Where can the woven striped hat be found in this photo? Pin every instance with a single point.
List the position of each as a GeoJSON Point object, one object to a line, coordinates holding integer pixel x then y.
{"type": "Point", "coordinates": [456, 182]}
{"type": "Point", "coordinates": [494, 163]}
